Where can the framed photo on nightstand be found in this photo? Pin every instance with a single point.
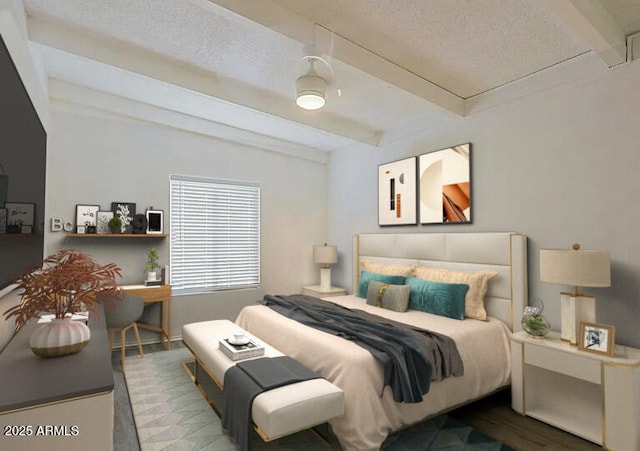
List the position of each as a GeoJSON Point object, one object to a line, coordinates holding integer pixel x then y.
{"type": "Point", "coordinates": [597, 338]}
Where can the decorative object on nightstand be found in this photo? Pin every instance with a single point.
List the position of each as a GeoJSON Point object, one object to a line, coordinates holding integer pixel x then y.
{"type": "Point", "coordinates": [580, 268]}
{"type": "Point", "coordinates": [533, 322]}
{"type": "Point", "coordinates": [325, 255]}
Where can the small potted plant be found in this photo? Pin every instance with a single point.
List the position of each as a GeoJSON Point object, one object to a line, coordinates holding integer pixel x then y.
{"type": "Point", "coordinates": [152, 265]}
{"type": "Point", "coordinates": [65, 283]}
{"type": "Point", "coordinates": [115, 224]}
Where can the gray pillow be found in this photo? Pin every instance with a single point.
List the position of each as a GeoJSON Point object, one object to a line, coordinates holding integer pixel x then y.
{"type": "Point", "coordinates": [390, 297]}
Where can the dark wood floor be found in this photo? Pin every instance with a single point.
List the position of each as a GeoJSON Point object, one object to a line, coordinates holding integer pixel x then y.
{"type": "Point", "coordinates": [492, 416]}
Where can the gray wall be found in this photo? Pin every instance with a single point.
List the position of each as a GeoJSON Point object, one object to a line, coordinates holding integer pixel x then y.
{"type": "Point", "coordinates": [560, 167]}
{"type": "Point", "coordinates": [96, 159]}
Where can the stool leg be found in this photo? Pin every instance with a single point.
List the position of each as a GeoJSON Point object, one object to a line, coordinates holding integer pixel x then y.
{"type": "Point", "coordinates": [122, 346]}
{"type": "Point", "coordinates": [135, 329]}
{"type": "Point", "coordinates": [112, 334]}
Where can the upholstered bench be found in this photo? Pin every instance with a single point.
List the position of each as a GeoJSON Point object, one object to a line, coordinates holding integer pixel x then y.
{"type": "Point", "coordinates": [275, 413]}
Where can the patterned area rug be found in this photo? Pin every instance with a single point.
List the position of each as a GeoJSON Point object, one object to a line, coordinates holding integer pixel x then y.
{"type": "Point", "coordinates": [171, 414]}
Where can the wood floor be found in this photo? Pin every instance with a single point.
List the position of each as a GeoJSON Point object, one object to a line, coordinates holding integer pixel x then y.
{"type": "Point", "coordinates": [492, 416]}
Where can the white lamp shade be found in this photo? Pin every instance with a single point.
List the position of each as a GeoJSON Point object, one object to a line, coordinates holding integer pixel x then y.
{"type": "Point", "coordinates": [310, 91]}
{"type": "Point", "coordinates": [580, 268]}
{"type": "Point", "coordinates": [325, 254]}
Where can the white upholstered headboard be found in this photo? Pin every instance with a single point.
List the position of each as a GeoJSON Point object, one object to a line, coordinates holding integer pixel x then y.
{"type": "Point", "coordinates": [504, 252]}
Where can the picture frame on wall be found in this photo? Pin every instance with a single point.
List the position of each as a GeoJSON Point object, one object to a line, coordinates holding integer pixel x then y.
{"type": "Point", "coordinates": [155, 221]}
{"type": "Point", "coordinates": [87, 216]}
{"type": "Point", "coordinates": [125, 211]}
{"type": "Point", "coordinates": [444, 177]}
{"type": "Point", "coordinates": [102, 221]}
{"type": "Point", "coordinates": [3, 220]}
{"type": "Point", "coordinates": [597, 338]}
{"type": "Point", "coordinates": [19, 214]}
{"type": "Point", "coordinates": [397, 193]}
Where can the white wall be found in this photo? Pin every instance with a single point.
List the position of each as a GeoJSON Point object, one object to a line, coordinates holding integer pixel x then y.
{"type": "Point", "coordinates": [560, 167]}
{"type": "Point", "coordinates": [99, 158]}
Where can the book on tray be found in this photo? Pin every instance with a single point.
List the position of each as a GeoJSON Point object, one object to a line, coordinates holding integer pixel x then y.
{"type": "Point", "coordinates": [244, 351]}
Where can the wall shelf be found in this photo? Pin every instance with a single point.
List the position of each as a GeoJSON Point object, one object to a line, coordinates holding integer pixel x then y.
{"type": "Point", "coordinates": [117, 235]}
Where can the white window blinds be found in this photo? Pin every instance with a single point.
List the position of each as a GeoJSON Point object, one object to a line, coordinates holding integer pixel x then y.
{"type": "Point", "coordinates": [215, 235]}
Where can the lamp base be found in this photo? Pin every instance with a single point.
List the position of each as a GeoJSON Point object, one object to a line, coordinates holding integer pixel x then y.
{"type": "Point", "coordinates": [325, 279]}
{"type": "Point", "coordinates": [573, 311]}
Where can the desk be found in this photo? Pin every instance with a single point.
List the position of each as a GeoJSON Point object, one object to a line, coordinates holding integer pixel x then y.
{"type": "Point", "coordinates": [159, 293]}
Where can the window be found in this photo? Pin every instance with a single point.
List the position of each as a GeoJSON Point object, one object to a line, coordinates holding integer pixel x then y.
{"type": "Point", "coordinates": [215, 235]}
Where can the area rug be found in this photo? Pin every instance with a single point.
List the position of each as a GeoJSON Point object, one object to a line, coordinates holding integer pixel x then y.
{"type": "Point", "coordinates": [171, 414]}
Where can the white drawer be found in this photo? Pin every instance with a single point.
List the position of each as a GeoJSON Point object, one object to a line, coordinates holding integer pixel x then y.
{"type": "Point", "coordinates": [563, 362]}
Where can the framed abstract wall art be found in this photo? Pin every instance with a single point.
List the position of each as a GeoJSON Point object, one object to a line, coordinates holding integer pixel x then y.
{"type": "Point", "coordinates": [19, 214]}
{"type": "Point", "coordinates": [103, 218]}
{"type": "Point", "coordinates": [87, 215]}
{"type": "Point", "coordinates": [397, 192]}
{"type": "Point", "coordinates": [125, 211]}
{"type": "Point", "coordinates": [445, 185]}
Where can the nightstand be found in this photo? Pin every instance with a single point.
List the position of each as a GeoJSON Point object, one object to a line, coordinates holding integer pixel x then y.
{"type": "Point", "coordinates": [592, 396]}
{"type": "Point", "coordinates": [315, 290]}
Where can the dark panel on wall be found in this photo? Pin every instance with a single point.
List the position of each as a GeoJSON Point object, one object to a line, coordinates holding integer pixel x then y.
{"type": "Point", "coordinates": [22, 175]}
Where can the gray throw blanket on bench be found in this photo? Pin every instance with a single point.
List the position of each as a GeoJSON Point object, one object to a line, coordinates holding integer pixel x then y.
{"type": "Point", "coordinates": [246, 380]}
{"type": "Point", "coordinates": [411, 357]}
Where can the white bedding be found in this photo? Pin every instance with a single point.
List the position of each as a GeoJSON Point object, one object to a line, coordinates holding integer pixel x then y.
{"type": "Point", "coordinates": [369, 418]}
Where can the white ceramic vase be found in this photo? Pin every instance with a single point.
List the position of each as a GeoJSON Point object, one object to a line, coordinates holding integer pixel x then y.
{"type": "Point", "coordinates": [59, 337]}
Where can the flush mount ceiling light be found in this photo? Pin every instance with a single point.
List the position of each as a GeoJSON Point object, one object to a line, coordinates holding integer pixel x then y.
{"type": "Point", "coordinates": [311, 87]}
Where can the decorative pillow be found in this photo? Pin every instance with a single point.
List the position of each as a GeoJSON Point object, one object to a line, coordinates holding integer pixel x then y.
{"type": "Point", "coordinates": [392, 269]}
{"type": "Point", "coordinates": [478, 282]}
{"type": "Point", "coordinates": [366, 277]}
{"type": "Point", "coordinates": [390, 297]}
{"type": "Point", "coordinates": [439, 298]}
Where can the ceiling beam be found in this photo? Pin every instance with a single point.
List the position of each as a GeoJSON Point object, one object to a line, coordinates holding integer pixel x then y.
{"type": "Point", "coordinates": [594, 26]}
{"type": "Point", "coordinates": [228, 101]}
{"type": "Point", "coordinates": [281, 20]}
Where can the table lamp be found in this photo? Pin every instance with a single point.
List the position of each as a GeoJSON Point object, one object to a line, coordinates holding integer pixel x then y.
{"type": "Point", "coordinates": [325, 255]}
{"type": "Point", "coordinates": [580, 268]}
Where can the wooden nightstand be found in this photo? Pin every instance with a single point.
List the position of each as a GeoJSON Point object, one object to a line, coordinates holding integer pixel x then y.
{"type": "Point", "coordinates": [592, 396]}
{"type": "Point", "coordinates": [315, 290]}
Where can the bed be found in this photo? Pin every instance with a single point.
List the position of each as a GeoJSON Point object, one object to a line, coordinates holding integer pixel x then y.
{"type": "Point", "coordinates": [484, 345]}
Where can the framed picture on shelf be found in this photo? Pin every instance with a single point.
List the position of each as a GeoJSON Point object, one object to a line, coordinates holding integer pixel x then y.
{"type": "Point", "coordinates": [597, 338]}
{"type": "Point", "coordinates": [102, 221]}
{"type": "Point", "coordinates": [445, 185]}
{"type": "Point", "coordinates": [26, 229]}
{"type": "Point", "coordinates": [87, 215]}
{"type": "Point", "coordinates": [125, 211]}
{"type": "Point", "coordinates": [81, 230]}
{"type": "Point", "coordinates": [3, 220]}
{"type": "Point", "coordinates": [19, 214]}
{"type": "Point", "coordinates": [397, 192]}
{"type": "Point", "coordinates": [155, 221]}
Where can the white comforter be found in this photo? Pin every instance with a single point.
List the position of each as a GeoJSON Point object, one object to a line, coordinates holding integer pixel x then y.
{"type": "Point", "coordinates": [369, 418]}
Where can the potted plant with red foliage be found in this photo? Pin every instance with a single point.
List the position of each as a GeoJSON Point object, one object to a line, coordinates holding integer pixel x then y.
{"type": "Point", "coordinates": [66, 282]}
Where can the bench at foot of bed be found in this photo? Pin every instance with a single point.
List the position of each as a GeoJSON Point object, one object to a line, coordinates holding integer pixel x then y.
{"type": "Point", "coordinates": [275, 413]}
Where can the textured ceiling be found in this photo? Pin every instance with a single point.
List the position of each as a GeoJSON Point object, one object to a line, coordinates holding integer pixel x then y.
{"type": "Point", "coordinates": [393, 63]}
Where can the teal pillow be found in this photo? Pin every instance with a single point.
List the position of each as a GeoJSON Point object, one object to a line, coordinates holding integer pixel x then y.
{"type": "Point", "coordinates": [439, 298]}
{"type": "Point", "coordinates": [366, 277]}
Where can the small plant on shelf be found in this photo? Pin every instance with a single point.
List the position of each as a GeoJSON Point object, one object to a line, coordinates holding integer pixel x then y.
{"type": "Point", "coordinates": [152, 264]}
{"type": "Point", "coordinates": [115, 225]}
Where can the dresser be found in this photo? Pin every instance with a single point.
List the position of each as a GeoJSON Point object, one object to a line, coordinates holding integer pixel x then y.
{"type": "Point", "coordinates": [64, 403]}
